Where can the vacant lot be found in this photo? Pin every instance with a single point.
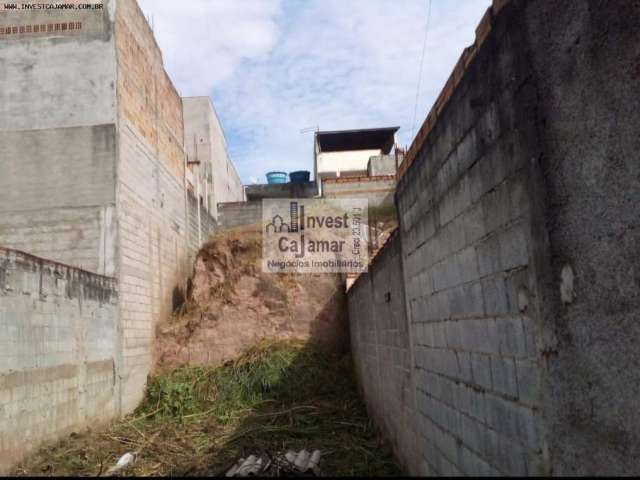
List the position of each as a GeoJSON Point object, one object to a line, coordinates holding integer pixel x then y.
{"type": "Point", "coordinates": [278, 395]}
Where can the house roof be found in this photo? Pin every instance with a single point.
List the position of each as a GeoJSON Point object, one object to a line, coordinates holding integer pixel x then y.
{"type": "Point", "coordinates": [363, 139]}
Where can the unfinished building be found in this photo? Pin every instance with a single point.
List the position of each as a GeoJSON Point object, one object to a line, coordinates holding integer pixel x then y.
{"type": "Point", "coordinates": [206, 148]}
{"type": "Point", "coordinates": [93, 176]}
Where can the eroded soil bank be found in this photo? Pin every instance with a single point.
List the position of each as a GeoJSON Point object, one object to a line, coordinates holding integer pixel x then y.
{"type": "Point", "coordinates": [231, 304]}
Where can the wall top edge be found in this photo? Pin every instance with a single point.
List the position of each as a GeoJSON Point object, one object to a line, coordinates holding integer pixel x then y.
{"type": "Point", "coordinates": [483, 30]}
{"type": "Point", "coordinates": [379, 178]}
{"type": "Point", "coordinates": [42, 263]}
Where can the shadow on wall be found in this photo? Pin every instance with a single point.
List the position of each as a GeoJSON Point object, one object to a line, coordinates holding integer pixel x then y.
{"type": "Point", "coordinates": [180, 295]}
{"type": "Point", "coordinates": [330, 328]}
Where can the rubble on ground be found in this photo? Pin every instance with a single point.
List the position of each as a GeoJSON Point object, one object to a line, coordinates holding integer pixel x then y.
{"type": "Point", "coordinates": [302, 463]}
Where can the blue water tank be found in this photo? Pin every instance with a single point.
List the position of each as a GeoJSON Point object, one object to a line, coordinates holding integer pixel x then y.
{"type": "Point", "coordinates": [301, 176]}
{"type": "Point", "coordinates": [276, 177]}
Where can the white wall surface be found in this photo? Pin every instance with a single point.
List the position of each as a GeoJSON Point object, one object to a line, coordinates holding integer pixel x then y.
{"type": "Point", "coordinates": [354, 161]}
{"type": "Point", "coordinates": [204, 139]}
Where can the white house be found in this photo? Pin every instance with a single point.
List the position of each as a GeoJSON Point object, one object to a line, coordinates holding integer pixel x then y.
{"type": "Point", "coordinates": [346, 153]}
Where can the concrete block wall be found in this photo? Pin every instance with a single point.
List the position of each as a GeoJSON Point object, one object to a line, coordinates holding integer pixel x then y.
{"type": "Point", "coordinates": [282, 190]}
{"type": "Point", "coordinates": [92, 173]}
{"type": "Point", "coordinates": [465, 207]}
{"type": "Point", "coordinates": [152, 197]}
{"type": "Point", "coordinates": [382, 354]}
{"type": "Point", "coordinates": [41, 87]}
{"type": "Point", "coordinates": [97, 180]}
{"type": "Point", "coordinates": [82, 237]}
{"type": "Point", "coordinates": [153, 254]}
{"type": "Point", "coordinates": [384, 164]}
{"type": "Point", "coordinates": [377, 190]}
{"type": "Point", "coordinates": [146, 95]}
{"type": "Point", "coordinates": [519, 303]}
{"type": "Point", "coordinates": [200, 229]}
{"type": "Point", "coordinates": [205, 142]}
{"type": "Point", "coordinates": [238, 214]}
{"type": "Point", "coordinates": [57, 157]}
{"type": "Point", "coordinates": [58, 352]}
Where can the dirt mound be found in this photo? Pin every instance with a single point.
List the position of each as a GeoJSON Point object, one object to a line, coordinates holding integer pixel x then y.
{"type": "Point", "coordinates": [232, 304]}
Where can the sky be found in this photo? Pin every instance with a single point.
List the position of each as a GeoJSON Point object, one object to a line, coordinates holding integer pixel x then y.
{"type": "Point", "coordinates": [276, 67]}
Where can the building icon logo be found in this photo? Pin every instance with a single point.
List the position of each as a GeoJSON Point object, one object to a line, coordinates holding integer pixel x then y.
{"type": "Point", "coordinates": [296, 220]}
{"type": "Point", "coordinates": [277, 225]}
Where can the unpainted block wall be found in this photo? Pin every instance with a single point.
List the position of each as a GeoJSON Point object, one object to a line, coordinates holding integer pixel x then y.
{"type": "Point", "coordinates": [57, 136]}
{"type": "Point", "coordinates": [465, 207]}
{"type": "Point", "coordinates": [205, 142]}
{"type": "Point", "coordinates": [199, 230]}
{"type": "Point", "coordinates": [57, 195]}
{"type": "Point", "coordinates": [98, 180]}
{"type": "Point", "coordinates": [146, 95]}
{"type": "Point", "coordinates": [384, 164]}
{"type": "Point", "coordinates": [39, 71]}
{"type": "Point", "coordinates": [58, 352]}
{"type": "Point", "coordinates": [521, 288]}
{"type": "Point", "coordinates": [377, 190]}
{"type": "Point", "coordinates": [151, 196]}
{"type": "Point", "coordinates": [238, 214]}
{"type": "Point", "coordinates": [382, 354]}
{"type": "Point", "coordinates": [282, 190]}
{"type": "Point", "coordinates": [152, 254]}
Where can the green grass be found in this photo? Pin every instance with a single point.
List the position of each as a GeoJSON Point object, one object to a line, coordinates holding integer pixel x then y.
{"type": "Point", "coordinates": [195, 421]}
{"type": "Point", "coordinates": [382, 213]}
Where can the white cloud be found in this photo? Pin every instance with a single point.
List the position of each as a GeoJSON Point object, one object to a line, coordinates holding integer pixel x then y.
{"type": "Point", "coordinates": [276, 68]}
{"type": "Point", "coordinates": [204, 41]}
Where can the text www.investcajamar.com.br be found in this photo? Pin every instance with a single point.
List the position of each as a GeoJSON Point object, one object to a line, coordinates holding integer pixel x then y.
{"type": "Point", "coordinates": [51, 6]}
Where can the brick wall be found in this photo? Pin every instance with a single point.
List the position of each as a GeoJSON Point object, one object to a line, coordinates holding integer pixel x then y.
{"type": "Point", "coordinates": [147, 97]}
{"type": "Point", "coordinates": [58, 352]}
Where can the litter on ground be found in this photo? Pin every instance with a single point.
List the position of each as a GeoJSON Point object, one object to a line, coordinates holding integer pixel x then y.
{"type": "Point", "coordinates": [282, 408]}
{"type": "Point", "coordinates": [289, 464]}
